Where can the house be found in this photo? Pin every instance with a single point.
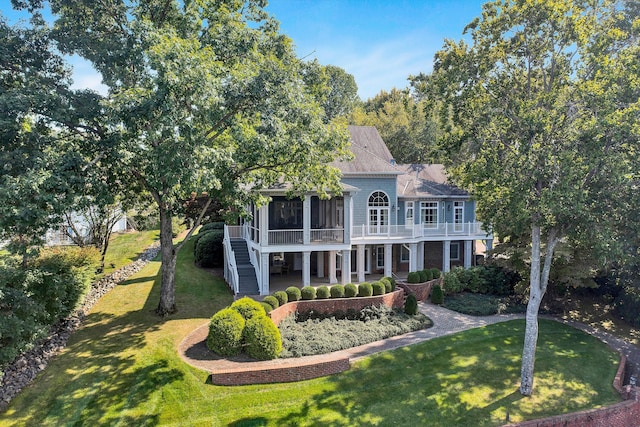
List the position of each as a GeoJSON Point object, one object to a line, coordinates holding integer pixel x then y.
{"type": "Point", "coordinates": [390, 219]}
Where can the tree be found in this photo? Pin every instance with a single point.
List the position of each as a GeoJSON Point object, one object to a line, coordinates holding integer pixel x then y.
{"type": "Point", "coordinates": [540, 117]}
{"type": "Point", "coordinates": [334, 88]}
{"type": "Point", "coordinates": [401, 120]}
{"type": "Point", "coordinates": [204, 96]}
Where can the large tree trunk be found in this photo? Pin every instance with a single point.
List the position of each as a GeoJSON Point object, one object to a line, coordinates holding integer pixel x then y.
{"type": "Point", "coordinates": [167, 303]}
{"type": "Point", "coordinates": [537, 288]}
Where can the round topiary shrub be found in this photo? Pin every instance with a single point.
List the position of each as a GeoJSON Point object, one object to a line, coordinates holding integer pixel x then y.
{"type": "Point", "coordinates": [411, 305]}
{"type": "Point", "coordinates": [208, 249]}
{"type": "Point", "coordinates": [428, 274]}
{"type": "Point", "coordinates": [323, 292]}
{"type": "Point", "coordinates": [282, 297]}
{"type": "Point", "coordinates": [262, 338]}
{"type": "Point", "coordinates": [293, 293]}
{"type": "Point", "coordinates": [267, 307]}
{"type": "Point", "coordinates": [337, 291]}
{"type": "Point", "coordinates": [248, 308]}
{"type": "Point", "coordinates": [423, 276]}
{"type": "Point", "coordinates": [350, 290]}
{"type": "Point", "coordinates": [437, 296]}
{"type": "Point", "coordinates": [378, 288]}
{"type": "Point", "coordinates": [393, 283]}
{"type": "Point", "coordinates": [413, 277]}
{"type": "Point", "coordinates": [435, 273]}
{"type": "Point", "coordinates": [365, 289]}
{"type": "Point", "coordinates": [272, 301]}
{"type": "Point", "coordinates": [225, 332]}
{"type": "Point", "coordinates": [387, 285]}
{"type": "Point", "coordinates": [308, 293]}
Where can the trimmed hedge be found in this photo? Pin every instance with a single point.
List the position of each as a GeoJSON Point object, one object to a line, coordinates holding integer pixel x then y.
{"type": "Point", "coordinates": [350, 290]}
{"type": "Point", "coordinates": [411, 305]}
{"type": "Point", "coordinates": [365, 289]}
{"type": "Point", "coordinates": [435, 272]}
{"type": "Point", "coordinates": [423, 276]}
{"type": "Point", "coordinates": [225, 332]}
{"type": "Point", "coordinates": [248, 308]}
{"type": "Point", "coordinates": [337, 291]}
{"type": "Point", "coordinates": [262, 338]}
{"type": "Point", "coordinates": [267, 307]}
{"type": "Point", "coordinates": [293, 293]}
{"type": "Point", "coordinates": [378, 288]}
{"type": "Point", "coordinates": [282, 297]}
{"type": "Point", "coordinates": [208, 249]}
{"type": "Point", "coordinates": [392, 281]}
{"type": "Point", "coordinates": [272, 301]}
{"type": "Point", "coordinates": [387, 284]}
{"type": "Point", "coordinates": [211, 226]}
{"type": "Point", "coordinates": [323, 292]}
{"type": "Point", "coordinates": [437, 295]}
{"type": "Point", "coordinates": [308, 293]}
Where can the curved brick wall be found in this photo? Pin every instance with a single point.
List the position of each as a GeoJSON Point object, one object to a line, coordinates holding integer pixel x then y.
{"type": "Point", "coordinates": [393, 299]}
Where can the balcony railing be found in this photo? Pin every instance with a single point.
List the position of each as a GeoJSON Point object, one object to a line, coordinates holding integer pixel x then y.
{"type": "Point", "coordinates": [472, 230]}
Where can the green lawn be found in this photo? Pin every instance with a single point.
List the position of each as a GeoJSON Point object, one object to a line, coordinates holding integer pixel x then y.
{"type": "Point", "coordinates": [126, 247]}
{"type": "Point", "coordinates": [121, 368]}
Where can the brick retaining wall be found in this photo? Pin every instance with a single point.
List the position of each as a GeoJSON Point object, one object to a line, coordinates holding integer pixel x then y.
{"type": "Point", "coordinates": [393, 299]}
{"type": "Point", "coordinates": [420, 290]}
{"type": "Point", "coordinates": [623, 414]}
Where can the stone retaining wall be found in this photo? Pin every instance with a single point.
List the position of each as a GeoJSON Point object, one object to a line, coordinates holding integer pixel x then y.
{"type": "Point", "coordinates": [393, 299]}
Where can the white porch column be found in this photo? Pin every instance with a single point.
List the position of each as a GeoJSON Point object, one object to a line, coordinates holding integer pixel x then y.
{"type": "Point", "coordinates": [320, 264]}
{"type": "Point", "coordinates": [264, 225]}
{"type": "Point", "coordinates": [306, 268]}
{"type": "Point", "coordinates": [446, 256]}
{"type": "Point", "coordinates": [387, 260]}
{"type": "Point", "coordinates": [413, 257]}
{"type": "Point", "coordinates": [306, 220]}
{"type": "Point", "coordinates": [467, 253]}
{"type": "Point", "coordinates": [361, 263]}
{"type": "Point", "coordinates": [346, 267]}
{"type": "Point", "coordinates": [420, 264]}
{"type": "Point", "coordinates": [333, 278]}
{"type": "Point", "coordinates": [347, 218]}
{"type": "Point", "coordinates": [264, 274]}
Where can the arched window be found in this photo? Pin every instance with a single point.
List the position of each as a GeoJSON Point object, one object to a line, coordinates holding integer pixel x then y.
{"type": "Point", "coordinates": [378, 217]}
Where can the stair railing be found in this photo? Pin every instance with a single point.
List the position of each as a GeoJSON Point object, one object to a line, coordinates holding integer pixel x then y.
{"type": "Point", "coordinates": [230, 267]}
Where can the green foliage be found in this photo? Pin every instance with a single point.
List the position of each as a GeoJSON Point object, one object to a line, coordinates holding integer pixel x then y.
{"type": "Point", "coordinates": [411, 305]}
{"type": "Point", "coordinates": [392, 281]}
{"type": "Point", "coordinates": [308, 293]}
{"type": "Point", "coordinates": [268, 308]}
{"type": "Point", "coordinates": [627, 305]}
{"type": "Point", "coordinates": [428, 275]}
{"type": "Point", "coordinates": [452, 284]}
{"type": "Point", "coordinates": [305, 336]}
{"type": "Point", "coordinates": [413, 277]}
{"type": "Point", "coordinates": [337, 291]}
{"type": "Point", "coordinates": [437, 295]}
{"type": "Point", "coordinates": [271, 301]}
{"type": "Point", "coordinates": [378, 288]}
{"type": "Point", "coordinates": [423, 276]}
{"type": "Point", "coordinates": [282, 297]}
{"type": "Point", "coordinates": [248, 308]}
{"type": "Point", "coordinates": [435, 272]}
{"type": "Point", "coordinates": [209, 251]}
{"type": "Point", "coordinates": [350, 290]}
{"type": "Point", "coordinates": [387, 284]}
{"type": "Point", "coordinates": [262, 338]}
{"type": "Point", "coordinates": [225, 332]}
{"type": "Point", "coordinates": [293, 293]}
{"type": "Point", "coordinates": [212, 226]}
{"type": "Point", "coordinates": [365, 289]}
{"type": "Point", "coordinates": [323, 292]}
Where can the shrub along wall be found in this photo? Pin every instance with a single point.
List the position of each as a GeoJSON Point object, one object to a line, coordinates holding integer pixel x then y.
{"type": "Point", "coordinates": [393, 299]}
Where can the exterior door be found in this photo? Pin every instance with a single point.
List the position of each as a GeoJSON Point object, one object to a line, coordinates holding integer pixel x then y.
{"type": "Point", "coordinates": [458, 216]}
{"type": "Point", "coordinates": [378, 213]}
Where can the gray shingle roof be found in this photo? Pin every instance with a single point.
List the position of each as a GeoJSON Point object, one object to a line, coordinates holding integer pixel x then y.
{"type": "Point", "coordinates": [425, 181]}
{"type": "Point", "coordinates": [371, 155]}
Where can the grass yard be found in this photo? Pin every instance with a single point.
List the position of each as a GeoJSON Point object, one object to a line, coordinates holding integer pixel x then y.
{"type": "Point", "coordinates": [126, 247]}
{"type": "Point", "coordinates": [121, 368]}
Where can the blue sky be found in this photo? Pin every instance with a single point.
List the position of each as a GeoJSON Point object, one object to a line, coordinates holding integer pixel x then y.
{"type": "Point", "coordinates": [379, 42]}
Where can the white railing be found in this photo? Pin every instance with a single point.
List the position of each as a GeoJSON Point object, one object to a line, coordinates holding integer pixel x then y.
{"type": "Point", "coordinates": [330, 235]}
{"type": "Point", "coordinates": [285, 237]}
{"type": "Point", "coordinates": [442, 230]}
{"type": "Point", "coordinates": [235, 231]}
{"type": "Point", "coordinates": [230, 267]}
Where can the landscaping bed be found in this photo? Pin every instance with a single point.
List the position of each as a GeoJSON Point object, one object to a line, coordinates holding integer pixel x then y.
{"type": "Point", "coordinates": [483, 305]}
{"type": "Point", "coordinates": [311, 334]}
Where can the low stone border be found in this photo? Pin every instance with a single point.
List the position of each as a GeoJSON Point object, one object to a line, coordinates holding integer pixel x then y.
{"type": "Point", "coordinates": [394, 299]}
{"type": "Point", "coordinates": [23, 370]}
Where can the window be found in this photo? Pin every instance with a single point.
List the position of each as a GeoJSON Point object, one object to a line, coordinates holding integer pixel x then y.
{"type": "Point", "coordinates": [454, 251]}
{"type": "Point", "coordinates": [378, 213]}
{"type": "Point", "coordinates": [458, 216]}
{"type": "Point", "coordinates": [405, 254]}
{"type": "Point", "coordinates": [429, 214]}
{"type": "Point", "coordinates": [380, 257]}
{"type": "Point", "coordinates": [408, 213]}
